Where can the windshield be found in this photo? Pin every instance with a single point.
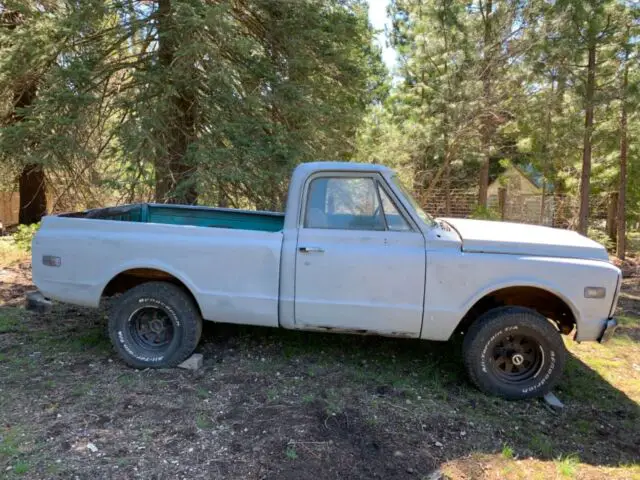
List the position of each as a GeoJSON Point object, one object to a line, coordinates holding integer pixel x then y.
{"type": "Point", "coordinates": [424, 216]}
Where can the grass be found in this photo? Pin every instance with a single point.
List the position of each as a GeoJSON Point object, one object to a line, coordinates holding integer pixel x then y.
{"type": "Point", "coordinates": [10, 254]}
{"type": "Point", "coordinates": [291, 453]}
{"type": "Point", "coordinates": [568, 466]}
{"type": "Point", "coordinates": [9, 444]}
{"type": "Point", "coordinates": [507, 452]}
{"type": "Point", "coordinates": [202, 393]}
{"type": "Point", "coordinates": [542, 445]}
{"type": "Point", "coordinates": [633, 241]}
{"type": "Point", "coordinates": [203, 422]}
{"type": "Point", "coordinates": [21, 468]}
{"type": "Point", "coordinates": [12, 320]}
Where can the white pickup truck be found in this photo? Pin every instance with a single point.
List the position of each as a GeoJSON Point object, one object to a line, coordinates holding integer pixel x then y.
{"type": "Point", "coordinates": [354, 253]}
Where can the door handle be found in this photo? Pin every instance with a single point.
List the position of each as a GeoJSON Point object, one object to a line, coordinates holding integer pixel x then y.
{"type": "Point", "coordinates": [311, 250]}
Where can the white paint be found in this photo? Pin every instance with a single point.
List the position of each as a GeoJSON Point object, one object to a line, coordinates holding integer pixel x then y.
{"type": "Point", "coordinates": [372, 281]}
{"type": "Point", "coordinates": [517, 238]}
{"type": "Point", "coordinates": [354, 283]}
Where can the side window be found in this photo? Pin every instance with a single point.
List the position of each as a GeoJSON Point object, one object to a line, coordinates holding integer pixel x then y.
{"type": "Point", "coordinates": [395, 220]}
{"type": "Point", "coordinates": [344, 203]}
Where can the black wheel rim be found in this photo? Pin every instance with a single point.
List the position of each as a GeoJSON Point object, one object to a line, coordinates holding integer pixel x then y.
{"type": "Point", "coordinates": [516, 358]}
{"type": "Point", "coordinates": [151, 328]}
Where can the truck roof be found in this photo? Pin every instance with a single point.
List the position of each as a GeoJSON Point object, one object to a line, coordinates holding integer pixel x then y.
{"type": "Point", "coordinates": [311, 167]}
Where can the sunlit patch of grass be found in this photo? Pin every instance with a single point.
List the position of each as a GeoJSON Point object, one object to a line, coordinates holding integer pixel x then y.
{"type": "Point", "coordinates": [10, 253]}
{"type": "Point", "coordinates": [496, 466]}
{"type": "Point", "coordinates": [567, 466]}
{"type": "Point", "coordinates": [507, 452]}
{"type": "Point", "coordinates": [613, 361]}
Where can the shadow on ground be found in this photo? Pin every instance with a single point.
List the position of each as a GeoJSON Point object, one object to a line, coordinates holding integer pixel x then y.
{"type": "Point", "coordinates": [278, 404]}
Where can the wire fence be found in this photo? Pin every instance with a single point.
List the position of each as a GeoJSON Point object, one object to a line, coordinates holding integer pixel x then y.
{"type": "Point", "coordinates": [553, 210]}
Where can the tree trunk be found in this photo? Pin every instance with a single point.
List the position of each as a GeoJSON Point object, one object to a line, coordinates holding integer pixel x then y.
{"type": "Point", "coordinates": [31, 184]}
{"type": "Point", "coordinates": [624, 145]}
{"type": "Point", "coordinates": [546, 154]}
{"type": "Point", "coordinates": [487, 122]}
{"type": "Point", "coordinates": [33, 199]}
{"type": "Point", "coordinates": [583, 218]}
{"type": "Point", "coordinates": [502, 202]}
{"type": "Point", "coordinates": [174, 178]}
{"type": "Point", "coordinates": [612, 216]}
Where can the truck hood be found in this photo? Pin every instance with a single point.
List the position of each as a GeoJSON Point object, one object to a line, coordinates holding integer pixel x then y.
{"type": "Point", "coordinates": [484, 236]}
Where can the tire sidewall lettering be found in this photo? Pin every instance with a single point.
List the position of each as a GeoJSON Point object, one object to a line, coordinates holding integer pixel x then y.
{"type": "Point", "coordinates": [122, 336]}
{"type": "Point", "coordinates": [545, 371]}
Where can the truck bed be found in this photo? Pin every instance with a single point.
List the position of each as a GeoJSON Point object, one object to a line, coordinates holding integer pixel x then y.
{"type": "Point", "coordinates": [187, 215]}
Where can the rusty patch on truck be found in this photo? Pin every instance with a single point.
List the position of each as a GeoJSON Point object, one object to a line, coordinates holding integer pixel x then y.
{"type": "Point", "coordinates": [354, 331]}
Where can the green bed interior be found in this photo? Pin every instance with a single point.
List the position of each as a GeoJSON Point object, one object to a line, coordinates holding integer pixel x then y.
{"type": "Point", "coordinates": [189, 215]}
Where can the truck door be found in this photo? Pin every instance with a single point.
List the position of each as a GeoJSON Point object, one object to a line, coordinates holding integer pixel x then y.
{"type": "Point", "coordinates": [360, 264]}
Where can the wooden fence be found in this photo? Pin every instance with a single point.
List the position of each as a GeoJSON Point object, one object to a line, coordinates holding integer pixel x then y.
{"type": "Point", "coordinates": [9, 208]}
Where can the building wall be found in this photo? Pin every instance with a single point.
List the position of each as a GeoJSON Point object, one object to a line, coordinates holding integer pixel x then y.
{"type": "Point", "coordinates": [514, 181]}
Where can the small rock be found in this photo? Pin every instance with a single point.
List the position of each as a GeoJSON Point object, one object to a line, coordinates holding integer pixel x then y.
{"type": "Point", "coordinates": [409, 470]}
{"type": "Point", "coordinates": [398, 453]}
{"type": "Point", "coordinates": [438, 444]}
{"type": "Point", "coordinates": [553, 401]}
{"type": "Point", "coordinates": [435, 475]}
{"type": "Point", "coordinates": [92, 447]}
{"type": "Point", "coordinates": [463, 433]}
{"type": "Point", "coordinates": [194, 362]}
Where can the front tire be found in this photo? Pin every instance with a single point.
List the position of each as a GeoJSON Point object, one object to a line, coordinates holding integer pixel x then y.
{"type": "Point", "coordinates": [514, 352]}
{"type": "Point", "coordinates": [155, 325]}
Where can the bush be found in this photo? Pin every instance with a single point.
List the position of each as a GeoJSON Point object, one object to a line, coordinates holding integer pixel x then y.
{"type": "Point", "coordinates": [484, 213]}
{"type": "Point", "coordinates": [24, 236]}
{"type": "Point", "coordinates": [601, 236]}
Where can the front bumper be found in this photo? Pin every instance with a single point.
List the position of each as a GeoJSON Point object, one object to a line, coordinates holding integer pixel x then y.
{"type": "Point", "coordinates": [608, 330]}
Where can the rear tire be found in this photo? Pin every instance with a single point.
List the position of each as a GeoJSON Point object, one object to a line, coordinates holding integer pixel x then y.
{"type": "Point", "coordinates": [514, 352]}
{"type": "Point", "coordinates": [155, 325]}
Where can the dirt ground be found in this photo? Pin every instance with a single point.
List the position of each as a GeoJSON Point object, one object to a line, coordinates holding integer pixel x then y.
{"type": "Point", "coordinates": [272, 404]}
